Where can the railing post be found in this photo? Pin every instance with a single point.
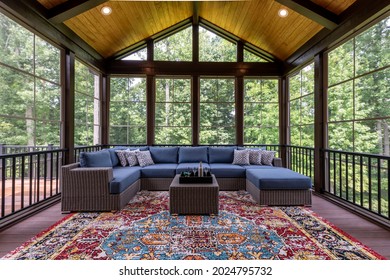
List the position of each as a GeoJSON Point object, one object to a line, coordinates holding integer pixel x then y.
{"type": "Point", "coordinates": [1, 162]}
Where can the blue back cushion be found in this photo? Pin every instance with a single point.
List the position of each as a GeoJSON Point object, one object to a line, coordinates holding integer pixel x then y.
{"type": "Point", "coordinates": [193, 154]}
{"type": "Point", "coordinates": [164, 154]}
{"type": "Point", "coordinates": [95, 159]}
{"type": "Point", "coordinates": [221, 154]}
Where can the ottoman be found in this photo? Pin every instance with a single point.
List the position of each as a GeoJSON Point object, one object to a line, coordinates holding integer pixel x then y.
{"type": "Point", "coordinates": [278, 186]}
{"type": "Point", "coordinates": [193, 199]}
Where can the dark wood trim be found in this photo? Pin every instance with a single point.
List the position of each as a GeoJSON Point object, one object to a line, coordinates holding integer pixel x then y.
{"type": "Point", "coordinates": [195, 42]}
{"type": "Point", "coordinates": [105, 109]}
{"type": "Point", "coordinates": [195, 13]}
{"type": "Point", "coordinates": [33, 16]}
{"type": "Point", "coordinates": [359, 14]}
{"type": "Point", "coordinates": [195, 109]}
{"type": "Point", "coordinates": [150, 109]}
{"type": "Point", "coordinates": [265, 69]}
{"type": "Point", "coordinates": [68, 105]}
{"type": "Point", "coordinates": [240, 51]}
{"type": "Point", "coordinates": [239, 96]}
{"type": "Point", "coordinates": [283, 119]}
{"type": "Point", "coordinates": [149, 50]}
{"type": "Point", "coordinates": [72, 8]}
{"type": "Point", "coordinates": [312, 11]}
{"type": "Point", "coordinates": [320, 105]}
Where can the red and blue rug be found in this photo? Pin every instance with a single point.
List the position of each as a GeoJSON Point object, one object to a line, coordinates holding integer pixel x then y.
{"type": "Point", "coordinates": [144, 230]}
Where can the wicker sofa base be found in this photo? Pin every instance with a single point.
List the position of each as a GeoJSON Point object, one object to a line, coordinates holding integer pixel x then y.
{"type": "Point", "coordinates": [279, 197]}
{"type": "Point", "coordinates": [90, 193]}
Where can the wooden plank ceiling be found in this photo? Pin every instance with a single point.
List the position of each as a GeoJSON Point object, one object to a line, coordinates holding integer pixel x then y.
{"type": "Point", "coordinates": [254, 21]}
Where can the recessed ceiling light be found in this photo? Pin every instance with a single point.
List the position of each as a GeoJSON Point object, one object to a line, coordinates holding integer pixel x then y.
{"type": "Point", "coordinates": [283, 13]}
{"type": "Point", "coordinates": [105, 10]}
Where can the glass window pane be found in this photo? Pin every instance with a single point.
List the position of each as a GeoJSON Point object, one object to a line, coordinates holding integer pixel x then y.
{"type": "Point", "coordinates": [341, 63]}
{"type": "Point", "coordinates": [128, 110]}
{"type": "Point", "coordinates": [340, 136]}
{"type": "Point", "coordinates": [138, 55]}
{"type": "Point", "coordinates": [47, 61]}
{"type": "Point", "coordinates": [372, 48]}
{"type": "Point", "coordinates": [48, 101]}
{"type": "Point", "coordinates": [372, 95]}
{"type": "Point", "coordinates": [16, 93]}
{"type": "Point", "coordinates": [16, 45]}
{"type": "Point", "coordinates": [173, 111]}
{"type": "Point", "coordinates": [177, 47]}
{"type": "Point", "coordinates": [214, 48]}
{"type": "Point", "coordinates": [251, 57]}
{"type": "Point", "coordinates": [369, 136]}
{"type": "Point", "coordinates": [340, 102]}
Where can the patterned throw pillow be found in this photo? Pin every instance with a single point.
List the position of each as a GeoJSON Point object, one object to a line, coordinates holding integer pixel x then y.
{"type": "Point", "coordinates": [131, 157]}
{"type": "Point", "coordinates": [267, 157]}
{"type": "Point", "coordinates": [241, 157]}
{"type": "Point", "coordinates": [255, 157]}
{"type": "Point", "coordinates": [144, 158]}
{"type": "Point", "coordinates": [122, 156]}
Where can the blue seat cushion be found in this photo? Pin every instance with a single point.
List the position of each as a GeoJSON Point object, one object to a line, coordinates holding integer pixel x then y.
{"type": "Point", "coordinates": [95, 159]}
{"type": "Point", "coordinates": [182, 167]}
{"type": "Point", "coordinates": [227, 170]}
{"type": "Point", "coordinates": [221, 154]}
{"type": "Point", "coordinates": [193, 154]}
{"type": "Point", "coordinates": [124, 177]}
{"type": "Point", "coordinates": [164, 154]}
{"type": "Point", "coordinates": [278, 178]}
{"type": "Point", "coordinates": [159, 170]}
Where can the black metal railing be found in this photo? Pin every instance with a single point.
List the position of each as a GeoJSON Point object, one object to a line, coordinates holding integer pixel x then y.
{"type": "Point", "coordinates": [301, 160]}
{"type": "Point", "coordinates": [28, 179]}
{"type": "Point", "coordinates": [359, 178]}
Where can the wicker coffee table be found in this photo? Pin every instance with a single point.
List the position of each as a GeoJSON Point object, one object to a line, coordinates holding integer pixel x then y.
{"type": "Point", "coordinates": [193, 199]}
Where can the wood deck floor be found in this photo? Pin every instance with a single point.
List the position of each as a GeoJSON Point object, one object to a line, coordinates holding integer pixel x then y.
{"type": "Point", "coordinates": [368, 233]}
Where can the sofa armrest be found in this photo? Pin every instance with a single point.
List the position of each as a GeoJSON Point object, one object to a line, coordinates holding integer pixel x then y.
{"type": "Point", "coordinates": [80, 181]}
{"type": "Point", "coordinates": [277, 162]}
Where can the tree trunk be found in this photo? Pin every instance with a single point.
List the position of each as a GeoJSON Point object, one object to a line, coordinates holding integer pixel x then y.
{"type": "Point", "coordinates": [386, 144]}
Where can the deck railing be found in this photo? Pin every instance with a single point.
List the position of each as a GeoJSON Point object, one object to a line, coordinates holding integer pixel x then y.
{"type": "Point", "coordinates": [28, 179]}
{"type": "Point", "coordinates": [301, 160]}
{"type": "Point", "coordinates": [361, 179]}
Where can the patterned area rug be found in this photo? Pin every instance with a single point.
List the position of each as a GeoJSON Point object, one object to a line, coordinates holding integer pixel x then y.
{"type": "Point", "coordinates": [242, 230]}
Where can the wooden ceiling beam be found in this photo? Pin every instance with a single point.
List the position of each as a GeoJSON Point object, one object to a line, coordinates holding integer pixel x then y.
{"type": "Point", "coordinates": [313, 11]}
{"type": "Point", "coordinates": [195, 17]}
{"type": "Point", "coordinates": [71, 9]}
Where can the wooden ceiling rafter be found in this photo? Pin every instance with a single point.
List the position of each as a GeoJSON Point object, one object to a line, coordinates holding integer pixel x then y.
{"type": "Point", "coordinates": [313, 11]}
{"type": "Point", "coordinates": [72, 8]}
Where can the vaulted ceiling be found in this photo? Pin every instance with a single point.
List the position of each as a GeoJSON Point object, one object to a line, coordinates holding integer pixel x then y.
{"type": "Point", "coordinates": [255, 22]}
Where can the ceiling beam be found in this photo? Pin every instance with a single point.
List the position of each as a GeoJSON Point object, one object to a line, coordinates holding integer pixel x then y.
{"type": "Point", "coordinates": [195, 16]}
{"type": "Point", "coordinates": [71, 9]}
{"type": "Point", "coordinates": [313, 11]}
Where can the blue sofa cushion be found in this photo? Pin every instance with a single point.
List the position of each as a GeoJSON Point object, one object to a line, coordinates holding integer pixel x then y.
{"type": "Point", "coordinates": [182, 167]}
{"type": "Point", "coordinates": [258, 166]}
{"type": "Point", "coordinates": [164, 154]}
{"type": "Point", "coordinates": [193, 154]}
{"type": "Point", "coordinates": [221, 154]}
{"type": "Point", "coordinates": [278, 178]}
{"type": "Point", "coordinates": [95, 159]}
{"type": "Point", "coordinates": [123, 177]}
{"type": "Point", "coordinates": [159, 170]}
{"type": "Point", "coordinates": [227, 170]}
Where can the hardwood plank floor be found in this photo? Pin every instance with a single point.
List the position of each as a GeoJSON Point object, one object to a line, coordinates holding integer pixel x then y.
{"type": "Point", "coordinates": [368, 233]}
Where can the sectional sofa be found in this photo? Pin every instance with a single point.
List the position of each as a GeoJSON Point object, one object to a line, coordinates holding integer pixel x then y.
{"type": "Point", "coordinates": [100, 182]}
